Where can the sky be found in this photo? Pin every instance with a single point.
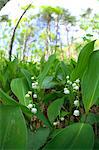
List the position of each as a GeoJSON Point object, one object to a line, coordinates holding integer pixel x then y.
{"type": "Point", "coordinates": [75, 6]}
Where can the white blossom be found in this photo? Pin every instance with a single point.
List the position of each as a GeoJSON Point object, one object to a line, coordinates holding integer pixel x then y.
{"type": "Point", "coordinates": [36, 83]}
{"type": "Point", "coordinates": [34, 86]}
{"type": "Point", "coordinates": [27, 95]}
{"type": "Point", "coordinates": [67, 77]}
{"type": "Point", "coordinates": [34, 95]}
{"type": "Point", "coordinates": [32, 78]}
{"type": "Point", "coordinates": [30, 106]}
{"type": "Point", "coordinates": [54, 123]}
{"type": "Point", "coordinates": [77, 81]}
{"type": "Point", "coordinates": [66, 91]}
{"type": "Point", "coordinates": [30, 92]}
{"type": "Point", "coordinates": [62, 118]}
{"type": "Point", "coordinates": [76, 87]}
{"type": "Point", "coordinates": [69, 82]}
{"type": "Point", "coordinates": [74, 84]}
{"type": "Point", "coordinates": [76, 103]}
{"type": "Point", "coordinates": [34, 110]}
{"type": "Point", "coordinates": [76, 113]}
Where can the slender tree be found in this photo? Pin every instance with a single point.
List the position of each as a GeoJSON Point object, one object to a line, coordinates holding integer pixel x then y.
{"type": "Point", "coordinates": [14, 31]}
{"type": "Point", "coordinates": [68, 21]}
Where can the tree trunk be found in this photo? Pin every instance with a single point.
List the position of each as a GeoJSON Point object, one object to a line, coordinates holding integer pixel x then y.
{"type": "Point", "coordinates": [57, 28]}
{"type": "Point", "coordinates": [14, 31]}
{"type": "Point", "coordinates": [67, 41]}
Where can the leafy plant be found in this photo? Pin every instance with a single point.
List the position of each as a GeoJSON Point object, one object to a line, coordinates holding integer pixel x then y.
{"type": "Point", "coordinates": [59, 101]}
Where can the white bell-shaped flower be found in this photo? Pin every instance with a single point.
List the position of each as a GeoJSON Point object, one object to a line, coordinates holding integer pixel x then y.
{"type": "Point", "coordinates": [76, 103]}
{"type": "Point", "coordinates": [34, 95]}
{"type": "Point", "coordinates": [30, 106]}
{"type": "Point", "coordinates": [34, 110]}
{"type": "Point", "coordinates": [66, 91]}
{"type": "Point", "coordinates": [76, 113]}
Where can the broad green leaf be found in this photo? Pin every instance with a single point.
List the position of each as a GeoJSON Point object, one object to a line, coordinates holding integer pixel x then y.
{"type": "Point", "coordinates": [38, 138]}
{"type": "Point", "coordinates": [27, 76]}
{"type": "Point", "coordinates": [54, 109]}
{"type": "Point", "coordinates": [50, 97]}
{"type": "Point", "coordinates": [13, 132]}
{"type": "Point", "coordinates": [55, 132]}
{"type": "Point", "coordinates": [90, 82]}
{"type": "Point", "coordinates": [82, 61]}
{"type": "Point", "coordinates": [48, 83]}
{"type": "Point", "coordinates": [96, 143]}
{"type": "Point", "coordinates": [7, 100]}
{"type": "Point", "coordinates": [46, 69]}
{"type": "Point", "coordinates": [20, 87]}
{"type": "Point", "coordinates": [77, 136]}
{"type": "Point", "coordinates": [66, 68]}
{"type": "Point", "coordinates": [91, 118]}
{"type": "Point", "coordinates": [42, 117]}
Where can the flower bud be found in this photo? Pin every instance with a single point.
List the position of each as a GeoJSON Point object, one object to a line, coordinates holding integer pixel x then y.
{"type": "Point", "coordinates": [27, 95]}
{"type": "Point", "coordinates": [67, 77]}
{"type": "Point", "coordinates": [30, 92]}
{"type": "Point", "coordinates": [32, 78]}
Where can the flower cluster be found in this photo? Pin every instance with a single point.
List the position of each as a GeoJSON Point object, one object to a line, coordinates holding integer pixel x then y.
{"type": "Point", "coordinates": [30, 96]}
{"type": "Point", "coordinates": [32, 108]}
{"type": "Point", "coordinates": [34, 84]}
{"type": "Point", "coordinates": [74, 85]}
{"type": "Point", "coordinates": [76, 104]}
{"type": "Point", "coordinates": [58, 121]}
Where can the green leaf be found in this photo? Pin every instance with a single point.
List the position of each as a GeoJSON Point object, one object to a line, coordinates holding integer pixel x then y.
{"type": "Point", "coordinates": [20, 87]}
{"type": "Point", "coordinates": [27, 76]}
{"type": "Point", "coordinates": [42, 117]}
{"type": "Point", "coordinates": [90, 82]}
{"type": "Point", "coordinates": [7, 100]}
{"type": "Point", "coordinates": [55, 132]}
{"type": "Point", "coordinates": [38, 138]}
{"type": "Point", "coordinates": [77, 136]}
{"type": "Point", "coordinates": [48, 83]}
{"type": "Point", "coordinates": [82, 61]}
{"type": "Point", "coordinates": [13, 132]}
{"type": "Point", "coordinates": [91, 118]}
{"type": "Point", "coordinates": [46, 68]}
{"type": "Point", "coordinates": [54, 109]}
{"type": "Point", "coordinates": [96, 144]}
